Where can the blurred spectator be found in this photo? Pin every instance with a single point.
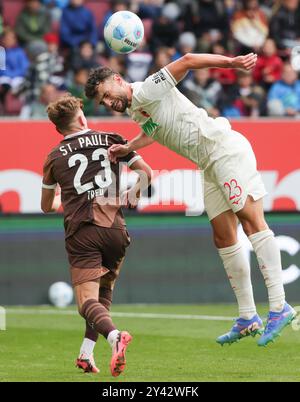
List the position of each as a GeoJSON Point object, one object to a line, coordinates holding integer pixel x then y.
{"type": "Point", "coordinates": [187, 43]}
{"type": "Point", "coordinates": [55, 8]}
{"type": "Point", "coordinates": [162, 57]}
{"type": "Point", "coordinates": [285, 25]}
{"type": "Point", "coordinates": [203, 91]}
{"type": "Point", "coordinates": [16, 64]}
{"type": "Point", "coordinates": [226, 76]}
{"type": "Point", "coordinates": [147, 8]}
{"type": "Point", "coordinates": [268, 6]}
{"type": "Point", "coordinates": [174, 28]}
{"type": "Point", "coordinates": [284, 95]}
{"type": "Point", "coordinates": [208, 19]}
{"type": "Point", "coordinates": [37, 110]}
{"type": "Point", "coordinates": [1, 19]}
{"type": "Point", "coordinates": [117, 62]}
{"type": "Point", "coordinates": [33, 22]}
{"type": "Point", "coordinates": [77, 90]}
{"type": "Point", "coordinates": [56, 3]}
{"type": "Point", "coordinates": [230, 8]}
{"type": "Point", "coordinates": [165, 29]}
{"type": "Point", "coordinates": [244, 98]}
{"type": "Point", "coordinates": [269, 65]}
{"type": "Point", "coordinates": [138, 63]}
{"type": "Point", "coordinates": [250, 26]}
{"type": "Point", "coordinates": [55, 60]}
{"type": "Point", "coordinates": [41, 71]}
{"type": "Point", "coordinates": [84, 57]}
{"type": "Point", "coordinates": [77, 25]}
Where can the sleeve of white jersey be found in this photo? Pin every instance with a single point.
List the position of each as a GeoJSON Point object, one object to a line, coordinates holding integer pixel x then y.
{"type": "Point", "coordinates": [156, 86]}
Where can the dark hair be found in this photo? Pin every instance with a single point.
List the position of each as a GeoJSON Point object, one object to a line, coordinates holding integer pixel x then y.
{"type": "Point", "coordinates": [97, 76]}
{"type": "Point", "coordinates": [63, 111]}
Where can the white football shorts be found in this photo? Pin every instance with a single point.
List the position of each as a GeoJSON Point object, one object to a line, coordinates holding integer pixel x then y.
{"type": "Point", "coordinates": [231, 176]}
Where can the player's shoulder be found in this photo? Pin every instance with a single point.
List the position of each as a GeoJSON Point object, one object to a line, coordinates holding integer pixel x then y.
{"type": "Point", "coordinates": [52, 154]}
{"type": "Point", "coordinates": [112, 137]}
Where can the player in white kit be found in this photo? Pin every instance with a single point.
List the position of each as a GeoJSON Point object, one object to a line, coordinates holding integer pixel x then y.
{"type": "Point", "coordinates": [233, 188]}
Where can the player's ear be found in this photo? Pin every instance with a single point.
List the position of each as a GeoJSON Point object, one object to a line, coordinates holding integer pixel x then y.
{"type": "Point", "coordinates": [82, 120]}
{"type": "Point", "coordinates": [118, 79]}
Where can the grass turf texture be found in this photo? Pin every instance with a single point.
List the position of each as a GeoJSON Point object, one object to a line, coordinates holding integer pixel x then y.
{"type": "Point", "coordinates": [43, 347]}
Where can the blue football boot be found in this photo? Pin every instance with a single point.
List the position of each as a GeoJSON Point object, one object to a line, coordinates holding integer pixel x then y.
{"type": "Point", "coordinates": [241, 329]}
{"type": "Point", "coordinates": [276, 323]}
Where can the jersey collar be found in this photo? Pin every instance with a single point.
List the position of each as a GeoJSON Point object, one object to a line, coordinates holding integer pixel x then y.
{"type": "Point", "coordinates": [67, 137]}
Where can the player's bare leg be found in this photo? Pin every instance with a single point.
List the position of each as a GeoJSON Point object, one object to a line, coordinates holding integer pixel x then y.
{"type": "Point", "coordinates": [237, 268]}
{"type": "Point", "coordinates": [269, 260]}
{"type": "Point", "coordinates": [85, 360]}
{"type": "Point", "coordinates": [120, 343]}
{"type": "Point", "coordinates": [91, 336]}
{"type": "Point", "coordinates": [98, 317]}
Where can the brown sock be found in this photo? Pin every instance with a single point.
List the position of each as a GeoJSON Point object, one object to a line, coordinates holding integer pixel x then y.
{"type": "Point", "coordinates": [98, 317]}
{"type": "Point", "coordinates": [105, 297]}
{"type": "Point", "coordinates": [90, 333]}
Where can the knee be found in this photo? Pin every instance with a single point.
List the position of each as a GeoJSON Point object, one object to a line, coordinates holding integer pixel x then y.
{"type": "Point", "coordinates": [228, 240]}
{"type": "Point", "coordinates": [250, 227]}
{"type": "Point", "coordinates": [81, 301]}
{"type": "Point", "coordinates": [80, 304]}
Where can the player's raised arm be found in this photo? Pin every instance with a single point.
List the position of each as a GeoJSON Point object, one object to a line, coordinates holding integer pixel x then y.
{"type": "Point", "coordinates": [190, 61]}
{"type": "Point", "coordinates": [117, 151]}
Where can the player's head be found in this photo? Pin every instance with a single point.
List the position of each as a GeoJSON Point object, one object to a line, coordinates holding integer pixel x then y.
{"type": "Point", "coordinates": [67, 115]}
{"type": "Point", "coordinates": [108, 88]}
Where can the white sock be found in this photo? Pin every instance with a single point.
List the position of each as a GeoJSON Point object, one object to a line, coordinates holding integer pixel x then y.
{"type": "Point", "coordinates": [112, 336]}
{"type": "Point", "coordinates": [87, 347]}
{"type": "Point", "coordinates": [237, 268]}
{"type": "Point", "coordinates": [269, 260]}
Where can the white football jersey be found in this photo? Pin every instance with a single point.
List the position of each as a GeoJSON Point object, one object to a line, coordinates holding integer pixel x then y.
{"type": "Point", "coordinates": [167, 116]}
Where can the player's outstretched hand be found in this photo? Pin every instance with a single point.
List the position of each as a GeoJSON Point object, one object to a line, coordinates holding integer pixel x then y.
{"type": "Point", "coordinates": [117, 151]}
{"type": "Point", "coordinates": [246, 62]}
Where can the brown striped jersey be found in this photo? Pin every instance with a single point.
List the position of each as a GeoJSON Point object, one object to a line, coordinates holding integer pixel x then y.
{"type": "Point", "coordinates": [89, 181]}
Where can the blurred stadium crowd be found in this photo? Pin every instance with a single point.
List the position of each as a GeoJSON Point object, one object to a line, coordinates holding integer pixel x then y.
{"type": "Point", "coordinates": [51, 45]}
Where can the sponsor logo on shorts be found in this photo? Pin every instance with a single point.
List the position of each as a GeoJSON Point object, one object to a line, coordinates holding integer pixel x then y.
{"type": "Point", "coordinates": [234, 191]}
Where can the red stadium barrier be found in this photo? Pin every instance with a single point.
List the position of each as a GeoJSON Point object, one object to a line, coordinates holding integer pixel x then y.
{"type": "Point", "coordinates": [24, 147]}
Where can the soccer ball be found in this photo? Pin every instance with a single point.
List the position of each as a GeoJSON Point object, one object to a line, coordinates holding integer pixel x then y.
{"type": "Point", "coordinates": [124, 32]}
{"type": "Point", "coordinates": [60, 294]}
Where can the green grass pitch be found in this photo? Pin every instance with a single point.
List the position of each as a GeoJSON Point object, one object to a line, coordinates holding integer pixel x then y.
{"type": "Point", "coordinates": [41, 344]}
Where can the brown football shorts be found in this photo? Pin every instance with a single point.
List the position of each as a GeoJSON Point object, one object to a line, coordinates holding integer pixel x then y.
{"type": "Point", "coordinates": [94, 251]}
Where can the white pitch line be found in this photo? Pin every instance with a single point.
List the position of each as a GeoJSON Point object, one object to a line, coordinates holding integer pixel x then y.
{"type": "Point", "coordinates": [124, 315]}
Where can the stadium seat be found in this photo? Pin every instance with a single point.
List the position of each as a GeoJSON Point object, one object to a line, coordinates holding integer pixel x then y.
{"type": "Point", "coordinates": [98, 8]}
{"type": "Point", "coordinates": [11, 10]}
{"type": "Point", "coordinates": [13, 105]}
